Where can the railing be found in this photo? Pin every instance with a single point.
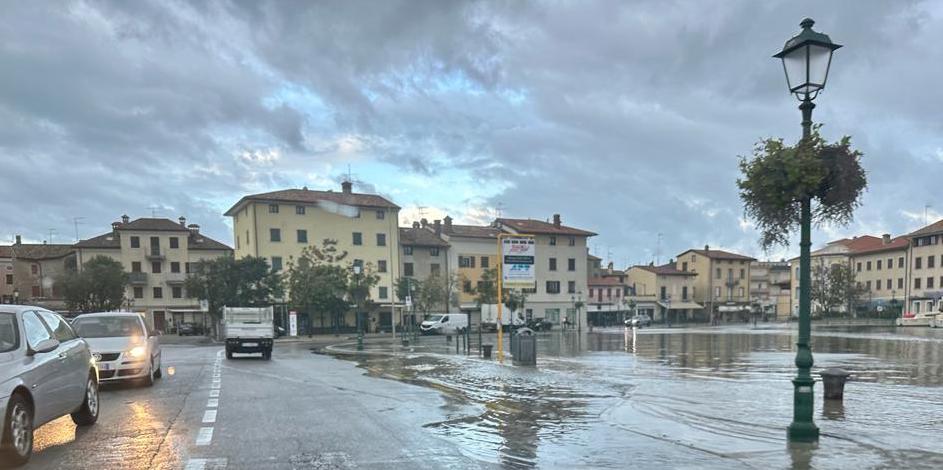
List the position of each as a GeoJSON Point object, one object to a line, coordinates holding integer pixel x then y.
{"type": "Point", "coordinates": [154, 253]}
{"type": "Point", "coordinates": [175, 278]}
{"type": "Point", "coordinates": [137, 278]}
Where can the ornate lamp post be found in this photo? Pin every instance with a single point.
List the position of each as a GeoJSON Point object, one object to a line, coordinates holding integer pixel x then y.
{"type": "Point", "coordinates": [806, 59]}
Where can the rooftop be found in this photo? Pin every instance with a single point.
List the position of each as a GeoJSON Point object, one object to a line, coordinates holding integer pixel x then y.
{"type": "Point", "coordinates": [666, 270]}
{"type": "Point", "coordinates": [151, 225]}
{"type": "Point", "coordinates": [605, 281]}
{"type": "Point", "coordinates": [414, 236]}
{"type": "Point", "coordinates": [308, 196]}
{"type": "Point", "coordinates": [899, 243]}
{"type": "Point", "coordinates": [533, 226]}
{"type": "Point", "coordinates": [40, 251]}
{"type": "Point", "coordinates": [195, 241]}
{"type": "Point", "coordinates": [934, 228]}
{"type": "Point", "coordinates": [719, 254]}
{"type": "Point", "coordinates": [471, 231]}
{"type": "Point", "coordinates": [6, 251]}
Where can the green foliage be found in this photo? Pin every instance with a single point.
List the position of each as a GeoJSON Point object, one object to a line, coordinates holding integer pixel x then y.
{"type": "Point", "coordinates": [433, 295]}
{"type": "Point", "coordinates": [316, 283]}
{"type": "Point", "coordinates": [407, 286]}
{"type": "Point", "coordinates": [486, 293]}
{"type": "Point", "coordinates": [779, 177]}
{"type": "Point", "coordinates": [99, 287]}
{"type": "Point", "coordinates": [834, 286]}
{"type": "Point", "coordinates": [360, 283]}
{"type": "Point", "coordinates": [229, 282]}
{"type": "Point", "coordinates": [514, 300]}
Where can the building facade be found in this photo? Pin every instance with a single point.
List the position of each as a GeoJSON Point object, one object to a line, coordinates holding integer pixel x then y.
{"type": "Point", "coordinates": [561, 268]}
{"type": "Point", "coordinates": [30, 272]}
{"type": "Point", "coordinates": [278, 225]}
{"type": "Point", "coordinates": [665, 293]}
{"type": "Point", "coordinates": [424, 255]}
{"type": "Point", "coordinates": [770, 283]}
{"type": "Point", "coordinates": [607, 302]}
{"type": "Point", "coordinates": [880, 269]}
{"type": "Point", "coordinates": [473, 249]}
{"type": "Point", "coordinates": [722, 284]}
{"type": "Point", "coordinates": [925, 276]}
{"type": "Point", "coordinates": [157, 254]}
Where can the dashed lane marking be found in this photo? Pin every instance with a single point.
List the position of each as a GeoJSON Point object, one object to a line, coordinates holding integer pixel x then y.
{"type": "Point", "coordinates": [212, 403]}
{"type": "Point", "coordinates": [209, 416]}
{"type": "Point", "coordinates": [214, 393]}
{"type": "Point", "coordinates": [206, 464]}
{"type": "Point", "coordinates": [204, 437]}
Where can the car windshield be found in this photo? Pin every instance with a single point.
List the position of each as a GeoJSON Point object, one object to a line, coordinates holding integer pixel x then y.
{"type": "Point", "coordinates": [107, 327]}
{"type": "Point", "coordinates": [435, 317]}
{"type": "Point", "coordinates": [9, 339]}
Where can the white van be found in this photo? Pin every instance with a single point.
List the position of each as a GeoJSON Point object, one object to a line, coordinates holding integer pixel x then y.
{"type": "Point", "coordinates": [444, 323]}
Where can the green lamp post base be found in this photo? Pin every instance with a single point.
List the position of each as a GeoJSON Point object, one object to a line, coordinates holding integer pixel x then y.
{"type": "Point", "coordinates": [802, 428]}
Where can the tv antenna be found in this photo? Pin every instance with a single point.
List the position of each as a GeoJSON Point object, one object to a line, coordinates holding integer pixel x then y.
{"type": "Point", "coordinates": [75, 223]}
{"type": "Point", "coordinates": [154, 210]}
{"type": "Point", "coordinates": [52, 233]}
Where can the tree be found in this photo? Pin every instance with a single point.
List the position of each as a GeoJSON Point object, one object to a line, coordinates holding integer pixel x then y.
{"type": "Point", "coordinates": [779, 177]}
{"type": "Point", "coordinates": [834, 286]}
{"type": "Point", "coordinates": [434, 294]}
{"type": "Point", "coordinates": [317, 283]}
{"type": "Point", "coordinates": [359, 283]}
{"type": "Point", "coordinates": [229, 282]}
{"type": "Point", "coordinates": [408, 287]}
{"type": "Point", "coordinates": [99, 287]}
{"type": "Point", "coordinates": [514, 299]}
{"type": "Point", "coordinates": [486, 293]}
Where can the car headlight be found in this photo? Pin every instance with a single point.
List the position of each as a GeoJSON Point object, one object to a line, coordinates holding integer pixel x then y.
{"type": "Point", "coordinates": [137, 352]}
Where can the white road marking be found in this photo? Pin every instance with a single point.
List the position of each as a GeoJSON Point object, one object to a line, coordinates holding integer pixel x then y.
{"type": "Point", "coordinates": [214, 393]}
{"type": "Point", "coordinates": [204, 437]}
{"type": "Point", "coordinates": [215, 385]}
{"type": "Point", "coordinates": [212, 403]}
{"type": "Point", "coordinates": [209, 416]}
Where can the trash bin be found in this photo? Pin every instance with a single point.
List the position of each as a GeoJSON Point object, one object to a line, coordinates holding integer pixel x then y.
{"type": "Point", "coordinates": [486, 350]}
{"type": "Point", "coordinates": [524, 347]}
{"type": "Point", "coordinates": [834, 379]}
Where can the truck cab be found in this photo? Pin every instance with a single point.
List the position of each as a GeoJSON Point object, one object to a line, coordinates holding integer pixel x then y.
{"type": "Point", "coordinates": [249, 330]}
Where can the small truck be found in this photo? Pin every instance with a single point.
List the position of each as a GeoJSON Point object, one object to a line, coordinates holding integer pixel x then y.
{"type": "Point", "coordinates": [249, 330]}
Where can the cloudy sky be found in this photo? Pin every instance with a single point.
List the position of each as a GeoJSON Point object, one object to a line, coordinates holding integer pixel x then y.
{"type": "Point", "coordinates": [625, 117]}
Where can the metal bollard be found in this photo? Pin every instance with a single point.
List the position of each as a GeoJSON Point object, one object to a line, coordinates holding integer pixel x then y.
{"type": "Point", "coordinates": [486, 350]}
{"type": "Point", "coordinates": [834, 380]}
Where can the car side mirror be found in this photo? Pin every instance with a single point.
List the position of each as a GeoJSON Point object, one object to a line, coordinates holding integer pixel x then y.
{"type": "Point", "coordinates": [44, 346]}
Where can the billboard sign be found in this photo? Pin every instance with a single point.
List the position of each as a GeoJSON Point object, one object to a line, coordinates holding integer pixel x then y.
{"type": "Point", "coordinates": [518, 259]}
{"type": "Point", "coordinates": [292, 323]}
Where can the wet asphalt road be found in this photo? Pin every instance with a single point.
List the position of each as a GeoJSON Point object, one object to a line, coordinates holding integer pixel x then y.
{"type": "Point", "coordinates": [299, 410]}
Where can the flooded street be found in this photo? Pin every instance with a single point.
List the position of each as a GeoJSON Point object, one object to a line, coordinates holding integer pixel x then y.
{"type": "Point", "coordinates": [683, 398]}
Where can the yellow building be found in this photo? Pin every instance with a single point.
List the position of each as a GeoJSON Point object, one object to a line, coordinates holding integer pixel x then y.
{"type": "Point", "coordinates": [472, 250]}
{"type": "Point", "coordinates": [925, 286]}
{"type": "Point", "coordinates": [722, 284]}
{"type": "Point", "coordinates": [157, 254]}
{"type": "Point", "coordinates": [880, 268]}
{"type": "Point", "coordinates": [664, 293]}
{"type": "Point", "coordinates": [278, 225]}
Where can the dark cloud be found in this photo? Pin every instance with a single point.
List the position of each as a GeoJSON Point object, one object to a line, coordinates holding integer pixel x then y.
{"type": "Point", "coordinates": [627, 118]}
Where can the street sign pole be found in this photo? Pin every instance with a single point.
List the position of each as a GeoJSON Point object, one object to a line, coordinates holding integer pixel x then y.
{"type": "Point", "coordinates": [519, 252]}
{"type": "Point", "coordinates": [500, 297]}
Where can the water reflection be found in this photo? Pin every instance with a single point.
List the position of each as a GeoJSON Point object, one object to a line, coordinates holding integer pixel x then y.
{"type": "Point", "coordinates": [833, 409]}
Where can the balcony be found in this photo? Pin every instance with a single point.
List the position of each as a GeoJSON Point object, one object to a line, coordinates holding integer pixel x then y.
{"type": "Point", "coordinates": [154, 254]}
{"type": "Point", "coordinates": [137, 278]}
{"type": "Point", "coordinates": [175, 278]}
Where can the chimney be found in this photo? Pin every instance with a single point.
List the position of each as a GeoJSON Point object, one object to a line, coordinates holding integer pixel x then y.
{"type": "Point", "coordinates": [346, 186]}
{"type": "Point", "coordinates": [114, 227]}
{"type": "Point", "coordinates": [19, 240]}
{"type": "Point", "coordinates": [423, 222]}
{"type": "Point", "coordinates": [415, 224]}
{"type": "Point", "coordinates": [609, 267]}
{"type": "Point", "coordinates": [886, 238]}
{"type": "Point", "coordinates": [194, 229]}
{"type": "Point", "coordinates": [438, 226]}
{"type": "Point", "coordinates": [707, 248]}
{"type": "Point", "coordinates": [125, 219]}
{"type": "Point", "coordinates": [448, 224]}
{"type": "Point", "coordinates": [183, 221]}
{"type": "Point", "coordinates": [556, 220]}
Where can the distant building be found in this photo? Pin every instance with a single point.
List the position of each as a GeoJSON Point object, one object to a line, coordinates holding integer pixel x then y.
{"type": "Point", "coordinates": [665, 293]}
{"type": "Point", "coordinates": [770, 283]}
{"type": "Point", "coordinates": [424, 254]}
{"type": "Point", "coordinates": [278, 225]}
{"type": "Point", "coordinates": [472, 250]}
{"type": "Point", "coordinates": [30, 272]}
{"type": "Point", "coordinates": [925, 279]}
{"type": "Point", "coordinates": [560, 267]}
{"type": "Point", "coordinates": [158, 254]}
{"type": "Point", "coordinates": [880, 266]}
{"type": "Point", "coordinates": [594, 265]}
{"type": "Point", "coordinates": [607, 299]}
{"type": "Point", "coordinates": [722, 284]}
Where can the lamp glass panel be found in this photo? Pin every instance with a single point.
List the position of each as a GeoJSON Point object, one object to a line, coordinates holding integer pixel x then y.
{"type": "Point", "coordinates": [818, 65]}
{"type": "Point", "coordinates": [795, 65]}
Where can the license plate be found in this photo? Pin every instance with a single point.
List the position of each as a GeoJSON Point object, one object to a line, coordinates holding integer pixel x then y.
{"type": "Point", "coordinates": [104, 366]}
{"type": "Point", "coordinates": [250, 345]}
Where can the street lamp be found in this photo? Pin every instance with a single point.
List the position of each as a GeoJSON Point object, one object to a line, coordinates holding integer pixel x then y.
{"type": "Point", "coordinates": [806, 59]}
{"type": "Point", "coordinates": [578, 304]}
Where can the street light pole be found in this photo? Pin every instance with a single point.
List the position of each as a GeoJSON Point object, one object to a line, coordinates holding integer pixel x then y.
{"type": "Point", "coordinates": [806, 59]}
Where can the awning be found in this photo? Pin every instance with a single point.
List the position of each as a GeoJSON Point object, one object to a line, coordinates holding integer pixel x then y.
{"type": "Point", "coordinates": [681, 305]}
{"type": "Point", "coordinates": [184, 310]}
{"type": "Point", "coordinates": [733, 308]}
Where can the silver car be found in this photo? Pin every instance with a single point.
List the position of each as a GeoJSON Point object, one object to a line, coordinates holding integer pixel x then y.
{"type": "Point", "coordinates": [123, 345]}
{"type": "Point", "coordinates": [46, 371]}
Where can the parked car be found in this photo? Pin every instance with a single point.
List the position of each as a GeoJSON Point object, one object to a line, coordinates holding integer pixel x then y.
{"type": "Point", "coordinates": [123, 345]}
{"type": "Point", "coordinates": [189, 329]}
{"type": "Point", "coordinates": [46, 371]}
{"type": "Point", "coordinates": [444, 323]}
{"type": "Point", "coordinates": [539, 324]}
{"type": "Point", "coordinates": [639, 321]}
